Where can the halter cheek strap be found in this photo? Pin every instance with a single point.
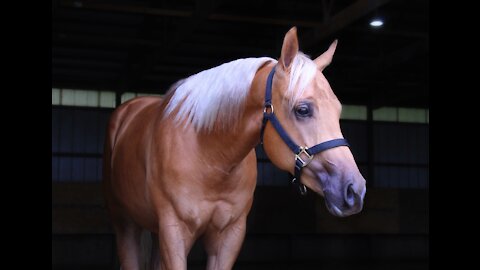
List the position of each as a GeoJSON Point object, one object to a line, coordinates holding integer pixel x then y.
{"type": "Point", "coordinates": [303, 154]}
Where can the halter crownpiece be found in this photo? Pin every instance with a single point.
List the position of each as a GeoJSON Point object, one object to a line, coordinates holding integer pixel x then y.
{"type": "Point", "coordinates": [303, 155]}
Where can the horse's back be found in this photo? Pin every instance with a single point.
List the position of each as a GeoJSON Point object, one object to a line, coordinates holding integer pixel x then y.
{"type": "Point", "coordinates": [125, 114]}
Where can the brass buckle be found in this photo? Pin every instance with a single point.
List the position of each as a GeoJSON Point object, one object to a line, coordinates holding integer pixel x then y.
{"type": "Point", "coordinates": [303, 150]}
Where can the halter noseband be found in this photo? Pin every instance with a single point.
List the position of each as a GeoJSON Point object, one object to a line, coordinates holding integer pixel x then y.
{"type": "Point", "coordinates": [303, 154]}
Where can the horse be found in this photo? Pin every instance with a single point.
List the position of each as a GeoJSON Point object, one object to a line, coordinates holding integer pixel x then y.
{"type": "Point", "coordinates": [184, 167]}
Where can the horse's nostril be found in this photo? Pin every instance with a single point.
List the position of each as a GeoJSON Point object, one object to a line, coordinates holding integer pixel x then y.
{"type": "Point", "coordinates": [350, 195]}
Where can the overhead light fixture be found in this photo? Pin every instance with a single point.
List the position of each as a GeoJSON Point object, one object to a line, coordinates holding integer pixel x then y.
{"type": "Point", "coordinates": [376, 22]}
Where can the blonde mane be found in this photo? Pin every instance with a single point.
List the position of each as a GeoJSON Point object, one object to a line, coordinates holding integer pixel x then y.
{"type": "Point", "coordinates": [217, 96]}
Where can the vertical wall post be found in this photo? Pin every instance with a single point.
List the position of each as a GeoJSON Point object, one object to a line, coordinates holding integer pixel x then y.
{"type": "Point", "coordinates": [370, 145]}
{"type": "Point", "coordinates": [118, 98]}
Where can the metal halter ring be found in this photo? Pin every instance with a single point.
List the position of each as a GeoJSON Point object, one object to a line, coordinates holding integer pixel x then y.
{"type": "Point", "coordinates": [268, 106]}
{"type": "Point", "coordinates": [303, 150]}
{"type": "Point", "coordinates": [301, 187]}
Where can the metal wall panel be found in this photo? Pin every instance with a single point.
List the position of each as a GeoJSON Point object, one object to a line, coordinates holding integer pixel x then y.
{"type": "Point", "coordinates": [65, 132]}
{"type": "Point", "coordinates": [356, 134]}
{"type": "Point", "coordinates": [77, 143]}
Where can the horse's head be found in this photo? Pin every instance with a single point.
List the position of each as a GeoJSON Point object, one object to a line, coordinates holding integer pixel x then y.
{"type": "Point", "coordinates": [309, 111]}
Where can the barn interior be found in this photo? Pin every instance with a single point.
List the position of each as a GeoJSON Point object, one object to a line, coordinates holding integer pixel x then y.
{"type": "Point", "coordinates": [106, 52]}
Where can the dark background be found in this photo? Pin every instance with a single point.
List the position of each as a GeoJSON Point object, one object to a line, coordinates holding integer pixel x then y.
{"type": "Point", "coordinates": [145, 46]}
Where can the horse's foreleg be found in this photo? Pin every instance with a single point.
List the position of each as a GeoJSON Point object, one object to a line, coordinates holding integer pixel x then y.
{"type": "Point", "coordinates": [175, 241]}
{"type": "Point", "coordinates": [223, 246]}
{"type": "Point", "coordinates": [127, 235]}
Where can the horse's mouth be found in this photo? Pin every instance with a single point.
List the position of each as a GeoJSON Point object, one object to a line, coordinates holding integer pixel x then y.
{"type": "Point", "coordinates": [343, 211]}
{"type": "Point", "coordinates": [340, 204]}
{"type": "Point", "coordinates": [334, 210]}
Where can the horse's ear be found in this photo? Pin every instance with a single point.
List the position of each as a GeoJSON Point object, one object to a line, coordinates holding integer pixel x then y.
{"type": "Point", "coordinates": [289, 48]}
{"type": "Point", "coordinates": [326, 58]}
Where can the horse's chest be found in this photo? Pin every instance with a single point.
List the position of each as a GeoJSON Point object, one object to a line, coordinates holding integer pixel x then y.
{"type": "Point", "coordinates": [218, 214]}
{"type": "Point", "coordinates": [224, 214]}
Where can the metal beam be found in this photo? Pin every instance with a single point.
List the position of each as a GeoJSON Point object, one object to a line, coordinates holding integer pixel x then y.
{"type": "Point", "coordinates": [262, 20]}
{"type": "Point", "coordinates": [143, 10]}
{"type": "Point", "coordinates": [342, 19]}
{"type": "Point", "coordinates": [105, 40]}
{"type": "Point", "coordinates": [185, 29]}
{"type": "Point", "coordinates": [135, 9]}
{"type": "Point", "coordinates": [378, 69]}
{"type": "Point", "coordinates": [337, 22]}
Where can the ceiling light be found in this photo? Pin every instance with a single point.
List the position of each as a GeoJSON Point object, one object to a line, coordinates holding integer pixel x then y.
{"type": "Point", "coordinates": [376, 23]}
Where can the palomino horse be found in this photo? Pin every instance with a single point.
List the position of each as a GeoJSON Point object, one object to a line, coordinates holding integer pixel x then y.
{"type": "Point", "coordinates": [184, 168]}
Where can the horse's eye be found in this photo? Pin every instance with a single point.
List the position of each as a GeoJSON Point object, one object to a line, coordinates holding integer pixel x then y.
{"type": "Point", "coordinates": [303, 110]}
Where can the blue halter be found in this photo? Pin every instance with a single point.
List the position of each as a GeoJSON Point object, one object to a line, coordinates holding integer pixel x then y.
{"type": "Point", "coordinates": [303, 154]}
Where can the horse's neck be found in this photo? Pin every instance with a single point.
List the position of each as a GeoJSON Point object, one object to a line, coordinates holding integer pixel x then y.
{"type": "Point", "coordinates": [233, 145]}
